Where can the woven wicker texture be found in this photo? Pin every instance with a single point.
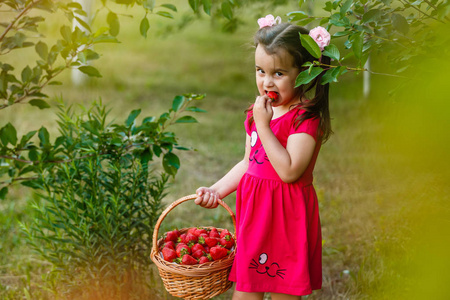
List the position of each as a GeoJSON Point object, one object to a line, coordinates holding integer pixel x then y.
{"type": "Point", "coordinates": [197, 281]}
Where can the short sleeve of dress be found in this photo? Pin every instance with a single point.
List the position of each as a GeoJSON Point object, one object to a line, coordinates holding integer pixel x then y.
{"type": "Point", "coordinates": [309, 126]}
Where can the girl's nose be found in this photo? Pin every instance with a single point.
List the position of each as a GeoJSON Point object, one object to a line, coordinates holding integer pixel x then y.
{"type": "Point", "coordinates": [268, 81]}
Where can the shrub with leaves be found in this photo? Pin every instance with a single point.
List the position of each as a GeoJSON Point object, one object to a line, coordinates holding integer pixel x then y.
{"type": "Point", "coordinates": [402, 31]}
{"type": "Point", "coordinates": [99, 189]}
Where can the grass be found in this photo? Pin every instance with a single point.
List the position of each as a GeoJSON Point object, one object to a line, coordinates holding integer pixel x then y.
{"type": "Point", "coordinates": [370, 188]}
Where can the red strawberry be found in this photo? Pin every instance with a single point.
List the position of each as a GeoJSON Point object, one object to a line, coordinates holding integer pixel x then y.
{"type": "Point", "coordinates": [188, 260]}
{"type": "Point", "coordinates": [211, 242]}
{"type": "Point", "coordinates": [199, 231]}
{"type": "Point", "coordinates": [203, 235]}
{"type": "Point", "coordinates": [169, 254]}
{"type": "Point", "coordinates": [273, 95]}
{"type": "Point", "coordinates": [183, 249]}
{"type": "Point", "coordinates": [218, 252]}
{"type": "Point", "coordinates": [171, 236]}
{"type": "Point", "coordinates": [203, 260]}
{"type": "Point", "coordinates": [170, 244]}
{"type": "Point", "coordinates": [207, 249]}
{"type": "Point", "coordinates": [224, 233]}
{"type": "Point", "coordinates": [197, 247]}
{"type": "Point", "coordinates": [190, 237]}
{"type": "Point", "coordinates": [198, 253]}
{"type": "Point", "coordinates": [182, 238]}
{"type": "Point", "coordinates": [191, 230]}
{"type": "Point", "coordinates": [227, 241]}
{"type": "Point", "coordinates": [214, 233]}
{"type": "Point", "coordinates": [201, 240]}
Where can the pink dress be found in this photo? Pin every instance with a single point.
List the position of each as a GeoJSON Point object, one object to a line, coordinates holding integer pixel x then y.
{"type": "Point", "coordinates": [279, 243]}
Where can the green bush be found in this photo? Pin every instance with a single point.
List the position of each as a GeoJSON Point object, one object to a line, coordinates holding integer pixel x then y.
{"type": "Point", "coordinates": [100, 196]}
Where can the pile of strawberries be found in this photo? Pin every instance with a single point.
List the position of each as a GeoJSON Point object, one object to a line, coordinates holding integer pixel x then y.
{"type": "Point", "coordinates": [197, 245]}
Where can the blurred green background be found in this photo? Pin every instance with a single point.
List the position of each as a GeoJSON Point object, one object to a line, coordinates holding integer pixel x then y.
{"type": "Point", "coordinates": [382, 178]}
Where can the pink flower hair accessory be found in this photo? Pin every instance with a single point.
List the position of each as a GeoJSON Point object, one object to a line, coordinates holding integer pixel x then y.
{"type": "Point", "coordinates": [321, 36]}
{"type": "Point", "coordinates": [268, 21]}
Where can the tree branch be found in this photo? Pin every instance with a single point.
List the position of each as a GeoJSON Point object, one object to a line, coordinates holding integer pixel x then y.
{"type": "Point", "coordinates": [24, 11]}
{"type": "Point", "coordinates": [422, 12]}
{"type": "Point", "coordinates": [8, 183]}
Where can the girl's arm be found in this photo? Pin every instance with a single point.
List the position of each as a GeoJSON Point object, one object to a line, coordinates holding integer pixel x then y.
{"type": "Point", "coordinates": [207, 197]}
{"type": "Point", "coordinates": [289, 162]}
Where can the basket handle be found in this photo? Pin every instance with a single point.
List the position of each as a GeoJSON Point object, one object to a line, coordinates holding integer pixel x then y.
{"type": "Point", "coordinates": [178, 202]}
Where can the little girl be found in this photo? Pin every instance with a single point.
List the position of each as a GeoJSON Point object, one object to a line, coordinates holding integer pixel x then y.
{"type": "Point", "coordinates": [279, 244]}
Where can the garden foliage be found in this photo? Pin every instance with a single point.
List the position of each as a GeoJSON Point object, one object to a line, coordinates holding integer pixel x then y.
{"type": "Point", "coordinates": [99, 193]}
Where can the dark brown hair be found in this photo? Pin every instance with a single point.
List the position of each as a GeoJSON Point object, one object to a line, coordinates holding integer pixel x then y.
{"type": "Point", "coordinates": [286, 36]}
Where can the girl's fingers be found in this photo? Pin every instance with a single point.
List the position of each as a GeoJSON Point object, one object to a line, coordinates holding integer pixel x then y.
{"type": "Point", "coordinates": [206, 198]}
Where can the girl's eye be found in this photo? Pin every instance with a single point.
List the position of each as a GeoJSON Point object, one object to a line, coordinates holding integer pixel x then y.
{"type": "Point", "coordinates": [259, 71]}
{"type": "Point", "coordinates": [279, 74]}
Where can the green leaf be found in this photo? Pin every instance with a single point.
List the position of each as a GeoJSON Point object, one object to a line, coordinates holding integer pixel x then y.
{"type": "Point", "coordinates": [89, 70]}
{"type": "Point", "coordinates": [178, 102]}
{"type": "Point", "coordinates": [32, 184]}
{"type": "Point", "coordinates": [132, 116]}
{"type": "Point", "coordinates": [194, 4]}
{"type": "Point", "coordinates": [27, 137]}
{"type": "Point", "coordinates": [8, 134]}
{"type": "Point", "coordinates": [33, 155]}
{"type": "Point", "coordinates": [74, 5]}
{"type": "Point", "coordinates": [357, 44]}
{"type": "Point", "coordinates": [345, 7]}
{"type": "Point", "coordinates": [331, 75]}
{"type": "Point", "coordinates": [186, 119]}
{"type": "Point", "coordinates": [82, 57]}
{"type": "Point", "coordinates": [149, 4]}
{"type": "Point", "coordinates": [332, 52]}
{"type": "Point", "coordinates": [114, 24]}
{"type": "Point", "coordinates": [195, 109]}
{"type": "Point", "coordinates": [66, 33]}
{"type": "Point", "coordinates": [297, 16]}
{"type": "Point", "coordinates": [83, 23]}
{"type": "Point", "coordinates": [3, 193]}
{"type": "Point", "coordinates": [26, 74]}
{"type": "Point", "coordinates": [310, 45]}
{"type": "Point", "coordinates": [42, 50]}
{"type": "Point", "coordinates": [44, 137]}
{"type": "Point", "coordinates": [342, 33]}
{"type": "Point", "coordinates": [171, 163]}
{"type": "Point", "coordinates": [371, 16]}
{"type": "Point", "coordinates": [105, 39]}
{"type": "Point", "coordinates": [170, 6]}
{"type": "Point", "coordinates": [146, 156]}
{"type": "Point", "coordinates": [144, 26]}
{"type": "Point", "coordinates": [207, 4]}
{"type": "Point", "coordinates": [328, 6]}
{"type": "Point", "coordinates": [307, 76]}
{"type": "Point", "coordinates": [227, 11]}
{"type": "Point", "coordinates": [304, 22]}
{"type": "Point", "coordinates": [399, 23]}
{"type": "Point", "coordinates": [165, 14]}
{"type": "Point", "coordinates": [91, 55]}
{"type": "Point", "coordinates": [157, 150]}
{"type": "Point", "coordinates": [39, 103]}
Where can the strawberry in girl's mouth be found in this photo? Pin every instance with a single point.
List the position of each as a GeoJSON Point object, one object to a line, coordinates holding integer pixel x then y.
{"type": "Point", "coordinates": [272, 95]}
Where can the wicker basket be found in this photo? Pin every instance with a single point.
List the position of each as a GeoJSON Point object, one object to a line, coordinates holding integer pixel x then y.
{"type": "Point", "coordinates": [202, 281]}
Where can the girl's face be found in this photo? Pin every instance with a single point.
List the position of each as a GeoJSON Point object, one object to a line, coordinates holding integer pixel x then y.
{"type": "Point", "coordinates": [276, 73]}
